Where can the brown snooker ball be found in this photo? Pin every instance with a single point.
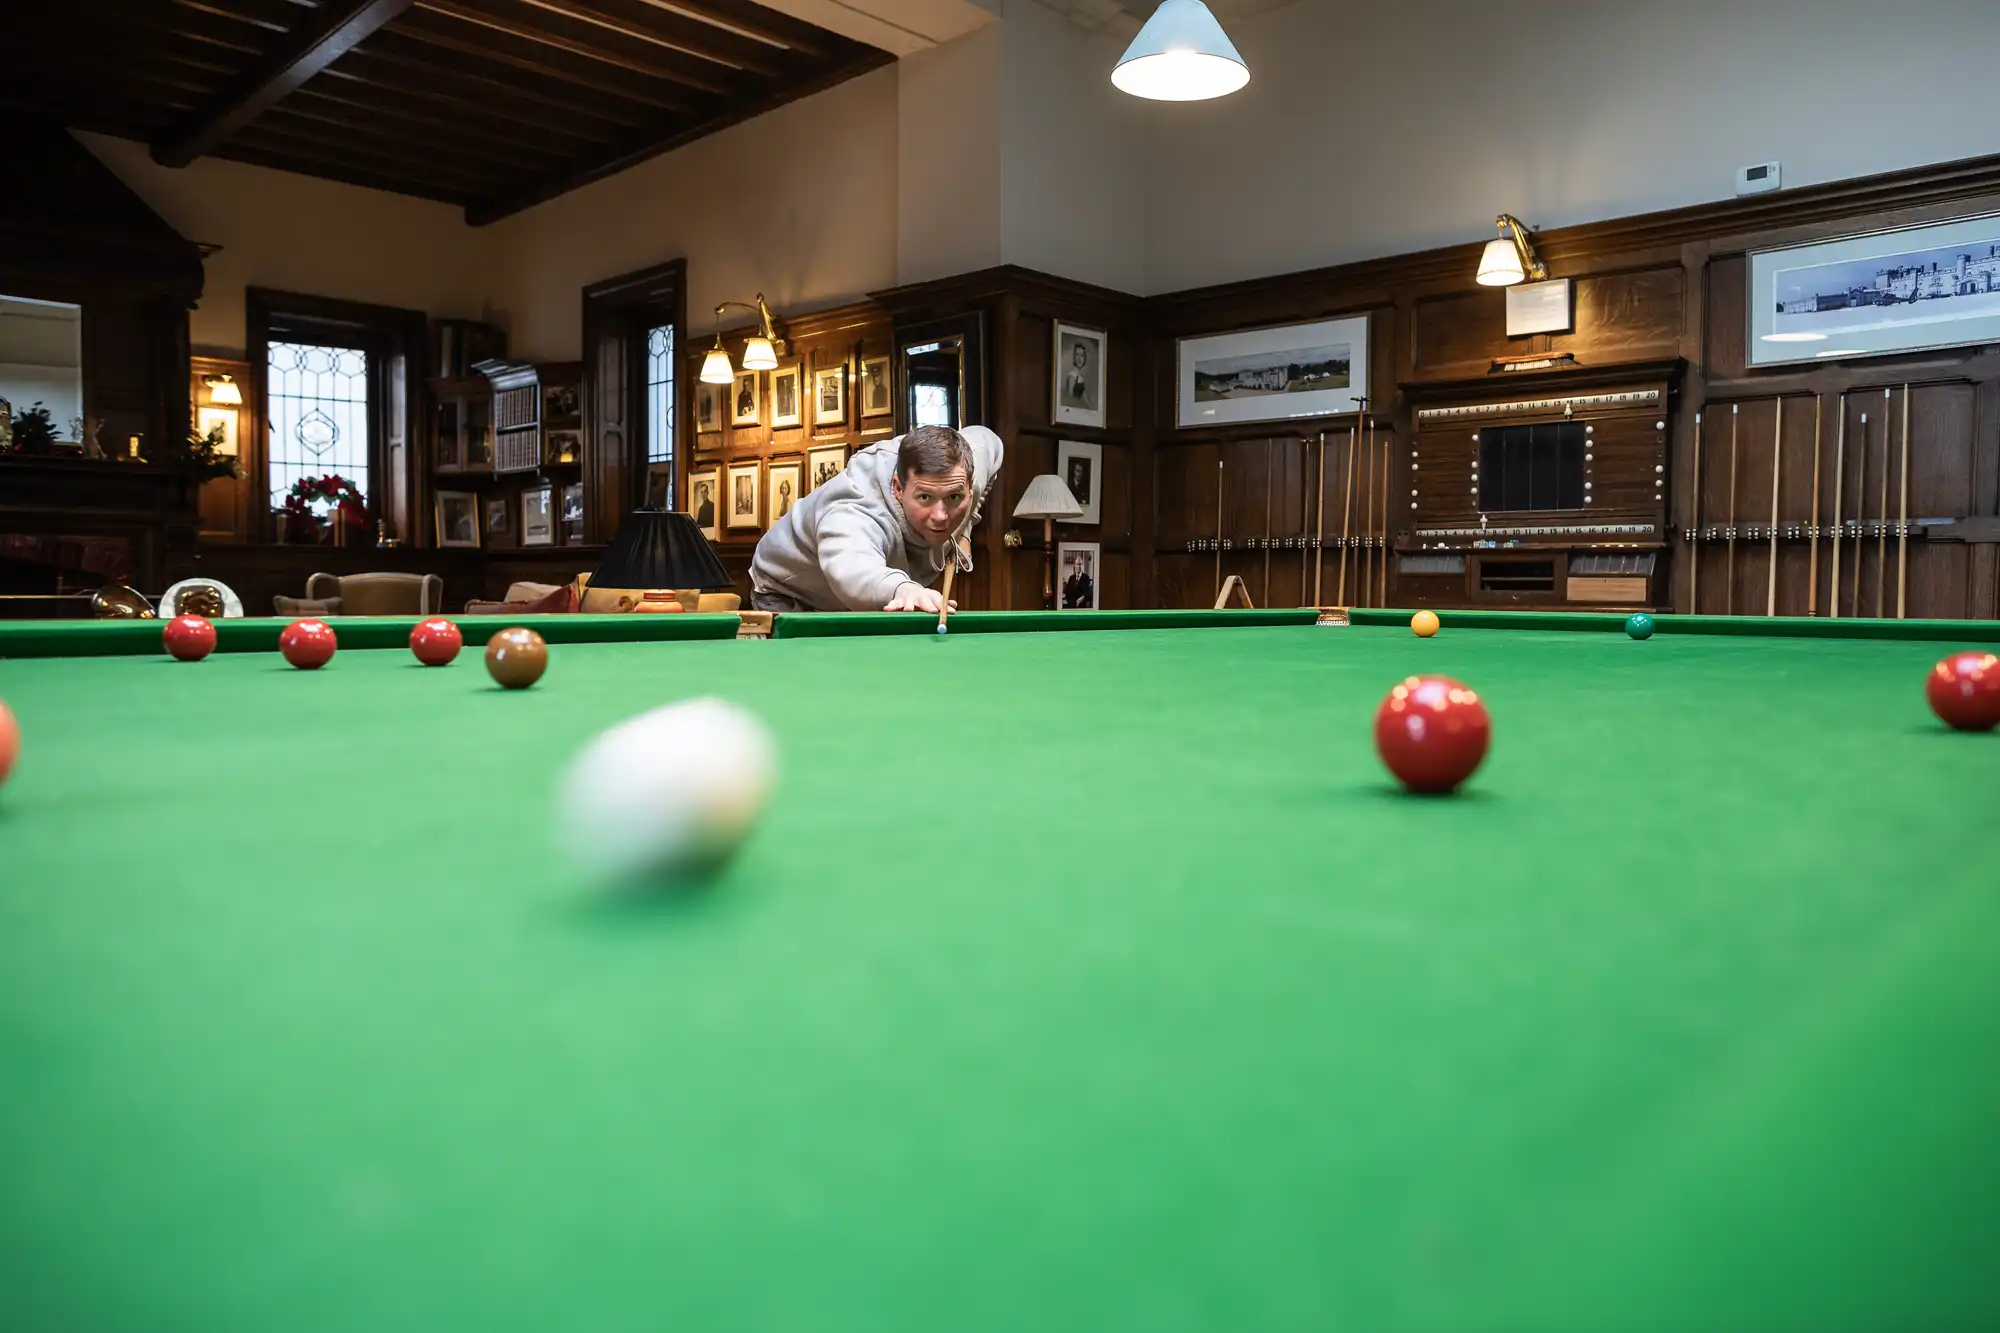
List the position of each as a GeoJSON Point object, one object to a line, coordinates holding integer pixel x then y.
{"type": "Point", "coordinates": [516, 658]}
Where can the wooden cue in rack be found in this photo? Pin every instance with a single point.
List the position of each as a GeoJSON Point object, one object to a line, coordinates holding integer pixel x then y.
{"type": "Point", "coordinates": [1812, 565]}
{"type": "Point", "coordinates": [1882, 516]}
{"type": "Point", "coordinates": [1368, 525]}
{"type": "Point", "coordinates": [1694, 530]}
{"type": "Point", "coordinates": [1860, 508]}
{"type": "Point", "coordinates": [1319, 528]}
{"type": "Point", "coordinates": [1382, 577]}
{"type": "Point", "coordinates": [1777, 464]}
{"type": "Point", "coordinates": [1347, 505]}
{"type": "Point", "coordinates": [1903, 517]}
{"type": "Point", "coordinates": [1270, 450]}
{"type": "Point", "coordinates": [1839, 481]}
{"type": "Point", "coordinates": [1729, 565]}
{"type": "Point", "coordinates": [1221, 475]}
{"type": "Point", "coordinates": [1305, 512]}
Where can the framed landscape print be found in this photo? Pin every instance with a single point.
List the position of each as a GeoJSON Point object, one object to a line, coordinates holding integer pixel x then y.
{"type": "Point", "coordinates": [742, 495]}
{"type": "Point", "coordinates": [743, 397]}
{"type": "Point", "coordinates": [875, 393]}
{"type": "Point", "coordinates": [1081, 467]}
{"type": "Point", "coordinates": [1077, 576]}
{"type": "Point", "coordinates": [1912, 290]}
{"type": "Point", "coordinates": [538, 520]}
{"type": "Point", "coordinates": [785, 404]}
{"type": "Point", "coordinates": [784, 481]}
{"type": "Point", "coordinates": [707, 408]}
{"type": "Point", "coordinates": [1274, 374]}
{"type": "Point", "coordinates": [457, 518]}
{"type": "Point", "coordinates": [830, 396]}
{"type": "Point", "coordinates": [823, 465]}
{"type": "Point", "coordinates": [1079, 376]}
{"type": "Point", "coordinates": [704, 488]}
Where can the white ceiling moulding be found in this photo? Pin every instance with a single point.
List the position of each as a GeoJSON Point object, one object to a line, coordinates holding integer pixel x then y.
{"type": "Point", "coordinates": [900, 27]}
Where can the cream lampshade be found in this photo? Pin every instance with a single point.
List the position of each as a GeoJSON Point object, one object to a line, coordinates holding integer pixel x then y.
{"type": "Point", "coordinates": [758, 354]}
{"type": "Point", "coordinates": [1048, 499]}
{"type": "Point", "coordinates": [1500, 266]}
{"type": "Point", "coordinates": [715, 367]}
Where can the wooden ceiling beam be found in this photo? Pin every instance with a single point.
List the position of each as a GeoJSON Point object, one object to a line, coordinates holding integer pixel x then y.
{"type": "Point", "coordinates": [310, 149]}
{"type": "Point", "coordinates": [545, 68]}
{"type": "Point", "coordinates": [419, 132]}
{"type": "Point", "coordinates": [282, 160]}
{"type": "Point", "coordinates": [673, 33]}
{"type": "Point", "coordinates": [657, 68]}
{"type": "Point", "coordinates": [481, 119]}
{"type": "Point", "coordinates": [335, 30]}
{"type": "Point", "coordinates": [511, 100]}
{"type": "Point", "coordinates": [270, 18]}
{"type": "Point", "coordinates": [750, 20]}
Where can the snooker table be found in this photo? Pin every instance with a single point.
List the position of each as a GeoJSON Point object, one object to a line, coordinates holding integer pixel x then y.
{"type": "Point", "coordinates": [1072, 980]}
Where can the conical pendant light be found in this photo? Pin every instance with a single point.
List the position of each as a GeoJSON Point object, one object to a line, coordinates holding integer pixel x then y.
{"type": "Point", "coordinates": [1181, 55]}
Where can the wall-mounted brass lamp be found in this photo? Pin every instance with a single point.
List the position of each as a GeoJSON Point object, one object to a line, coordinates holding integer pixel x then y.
{"type": "Point", "coordinates": [222, 391]}
{"type": "Point", "coordinates": [1510, 257]}
{"type": "Point", "coordinates": [760, 351]}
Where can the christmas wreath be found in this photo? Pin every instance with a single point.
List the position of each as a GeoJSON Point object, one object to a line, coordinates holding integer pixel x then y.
{"type": "Point", "coordinates": [315, 500]}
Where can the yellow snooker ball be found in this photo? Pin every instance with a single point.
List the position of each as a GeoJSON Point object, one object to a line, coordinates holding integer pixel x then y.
{"type": "Point", "coordinates": [1424, 624]}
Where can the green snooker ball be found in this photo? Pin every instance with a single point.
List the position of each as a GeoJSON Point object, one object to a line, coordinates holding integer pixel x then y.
{"type": "Point", "coordinates": [1639, 626]}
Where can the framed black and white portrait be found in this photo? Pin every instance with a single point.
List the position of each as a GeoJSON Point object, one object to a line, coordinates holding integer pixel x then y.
{"type": "Point", "coordinates": [741, 497]}
{"type": "Point", "coordinates": [743, 400]}
{"type": "Point", "coordinates": [785, 488]}
{"type": "Point", "coordinates": [708, 407]}
{"type": "Point", "coordinates": [496, 517]}
{"type": "Point", "coordinates": [786, 409]}
{"type": "Point", "coordinates": [1081, 467]}
{"type": "Point", "coordinates": [457, 518]}
{"type": "Point", "coordinates": [1079, 376]}
{"type": "Point", "coordinates": [704, 489]}
{"type": "Point", "coordinates": [876, 398]}
{"type": "Point", "coordinates": [1077, 576]}
{"type": "Point", "coordinates": [538, 515]}
{"type": "Point", "coordinates": [830, 396]}
{"type": "Point", "coordinates": [823, 465]}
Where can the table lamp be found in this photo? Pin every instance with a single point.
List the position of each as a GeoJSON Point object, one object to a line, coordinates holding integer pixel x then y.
{"type": "Point", "coordinates": [1048, 499]}
{"type": "Point", "coordinates": [665, 556]}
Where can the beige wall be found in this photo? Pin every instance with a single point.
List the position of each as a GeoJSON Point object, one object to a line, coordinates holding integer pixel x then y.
{"type": "Point", "coordinates": [1370, 130]}
{"type": "Point", "coordinates": [948, 138]}
{"type": "Point", "coordinates": [799, 204]}
{"type": "Point", "coordinates": [300, 234]}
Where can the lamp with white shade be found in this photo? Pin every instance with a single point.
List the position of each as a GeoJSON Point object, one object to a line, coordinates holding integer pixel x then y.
{"type": "Point", "coordinates": [1510, 257]}
{"type": "Point", "coordinates": [1180, 55]}
{"type": "Point", "coordinates": [760, 349]}
{"type": "Point", "coordinates": [1048, 499]}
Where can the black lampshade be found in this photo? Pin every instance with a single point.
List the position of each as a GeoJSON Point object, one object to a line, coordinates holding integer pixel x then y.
{"type": "Point", "coordinates": [660, 550]}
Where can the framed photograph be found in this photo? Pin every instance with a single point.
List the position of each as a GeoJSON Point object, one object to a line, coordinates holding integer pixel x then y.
{"type": "Point", "coordinates": [1076, 576]}
{"type": "Point", "coordinates": [496, 517]}
{"type": "Point", "coordinates": [1275, 374]}
{"type": "Point", "coordinates": [457, 518]}
{"type": "Point", "coordinates": [572, 513]}
{"type": "Point", "coordinates": [823, 465]}
{"type": "Point", "coordinates": [208, 419]}
{"type": "Point", "coordinates": [1079, 376]}
{"type": "Point", "coordinates": [559, 401]}
{"type": "Point", "coordinates": [876, 400]}
{"type": "Point", "coordinates": [659, 485]}
{"type": "Point", "coordinates": [703, 488]}
{"type": "Point", "coordinates": [1913, 290]}
{"type": "Point", "coordinates": [1081, 466]}
{"type": "Point", "coordinates": [538, 522]}
{"type": "Point", "coordinates": [743, 396]}
{"type": "Point", "coordinates": [707, 408]}
{"type": "Point", "coordinates": [786, 407]}
{"type": "Point", "coordinates": [784, 479]}
{"type": "Point", "coordinates": [563, 446]}
{"type": "Point", "coordinates": [830, 396]}
{"type": "Point", "coordinates": [742, 495]}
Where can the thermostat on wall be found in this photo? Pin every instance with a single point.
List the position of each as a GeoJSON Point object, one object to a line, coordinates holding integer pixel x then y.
{"type": "Point", "coordinates": [1757, 179]}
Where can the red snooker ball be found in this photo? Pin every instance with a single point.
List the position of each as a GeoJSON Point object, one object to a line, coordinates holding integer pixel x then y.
{"type": "Point", "coordinates": [307, 644]}
{"type": "Point", "coordinates": [1432, 732]}
{"type": "Point", "coordinates": [10, 742]}
{"type": "Point", "coordinates": [1964, 690]}
{"type": "Point", "coordinates": [436, 641]}
{"type": "Point", "coordinates": [189, 638]}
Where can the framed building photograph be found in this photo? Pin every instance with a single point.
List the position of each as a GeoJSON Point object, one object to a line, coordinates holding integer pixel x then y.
{"type": "Point", "coordinates": [707, 408]}
{"type": "Point", "coordinates": [538, 520]}
{"type": "Point", "coordinates": [784, 480]}
{"type": "Point", "coordinates": [1081, 467]}
{"type": "Point", "coordinates": [1274, 374]}
{"type": "Point", "coordinates": [876, 396]}
{"type": "Point", "coordinates": [830, 396]}
{"type": "Point", "coordinates": [1077, 576]}
{"type": "Point", "coordinates": [703, 489]}
{"type": "Point", "coordinates": [786, 407]}
{"type": "Point", "coordinates": [743, 397]}
{"type": "Point", "coordinates": [457, 518]}
{"type": "Point", "coordinates": [1913, 290]}
{"type": "Point", "coordinates": [742, 495]}
{"type": "Point", "coordinates": [823, 465]}
{"type": "Point", "coordinates": [1079, 376]}
{"type": "Point", "coordinates": [496, 517]}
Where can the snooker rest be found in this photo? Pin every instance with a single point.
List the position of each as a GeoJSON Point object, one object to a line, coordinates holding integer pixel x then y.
{"type": "Point", "coordinates": [379, 594]}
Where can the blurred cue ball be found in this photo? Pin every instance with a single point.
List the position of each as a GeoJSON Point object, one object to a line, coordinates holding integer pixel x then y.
{"type": "Point", "coordinates": [665, 796]}
{"type": "Point", "coordinates": [10, 742]}
{"type": "Point", "coordinates": [1424, 624]}
{"type": "Point", "coordinates": [516, 658]}
{"type": "Point", "coordinates": [188, 638]}
{"type": "Point", "coordinates": [1639, 626]}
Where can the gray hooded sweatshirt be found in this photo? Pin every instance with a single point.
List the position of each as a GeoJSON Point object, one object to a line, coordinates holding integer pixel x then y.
{"type": "Point", "coordinates": [847, 546]}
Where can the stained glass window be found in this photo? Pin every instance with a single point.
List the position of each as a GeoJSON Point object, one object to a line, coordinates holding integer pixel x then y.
{"type": "Point", "coordinates": [319, 414]}
{"type": "Point", "coordinates": [660, 404]}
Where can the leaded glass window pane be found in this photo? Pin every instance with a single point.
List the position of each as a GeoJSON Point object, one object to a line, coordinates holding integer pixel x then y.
{"type": "Point", "coordinates": [319, 414]}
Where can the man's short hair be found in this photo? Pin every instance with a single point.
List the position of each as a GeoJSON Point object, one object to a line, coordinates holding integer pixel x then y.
{"type": "Point", "coordinates": [932, 451]}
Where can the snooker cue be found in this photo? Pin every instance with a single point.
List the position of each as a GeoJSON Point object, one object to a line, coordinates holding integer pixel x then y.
{"type": "Point", "coordinates": [1860, 507]}
{"type": "Point", "coordinates": [1903, 517]}
{"type": "Point", "coordinates": [1812, 567]}
{"type": "Point", "coordinates": [1777, 463]}
{"type": "Point", "coordinates": [1694, 532]}
{"type": "Point", "coordinates": [1729, 565]}
{"type": "Point", "coordinates": [1221, 475]}
{"type": "Point", "coordinates": [1347, 507]}
{"type": "Point", "coordinates": [1882, 514]}
{"type": "Point", "coordinates": [1839, 480]}
{"type": "Point", "coordinates": [1368, 525]}
{"type": "Point", "coordinates": [1270, 449]}
{"type": "Point", "coordinates": [1305, 512]}
{"type": "Point", "coordinates": [1382, 586]}
{"type": "Point", "coordinates": [1319, 527]}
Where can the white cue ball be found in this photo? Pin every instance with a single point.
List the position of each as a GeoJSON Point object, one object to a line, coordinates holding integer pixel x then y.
{"type": "Point", "coordinates": [667, 794]}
